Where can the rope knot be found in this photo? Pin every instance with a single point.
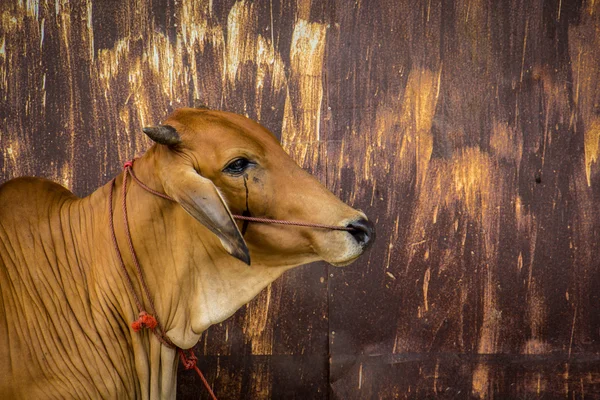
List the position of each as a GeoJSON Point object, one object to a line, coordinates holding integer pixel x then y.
{"type": "Point", "coordinates": [188, 362]}
{"type": "Point", "coordinates": [128, 164]}
{"type": "Point", "coordinates": [144, 320]}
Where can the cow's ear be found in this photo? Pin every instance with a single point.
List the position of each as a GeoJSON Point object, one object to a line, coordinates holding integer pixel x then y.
{"type": "Point", "coordinates": [163, 134]}
{"type": "Point", "coordinates": [201, 199]}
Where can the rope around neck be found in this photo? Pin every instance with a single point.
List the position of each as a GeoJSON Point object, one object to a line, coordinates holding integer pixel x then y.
{"type": "Point", "coordinates": [145, 319]}
{"type": "Point", "coordinates": [149, 320]}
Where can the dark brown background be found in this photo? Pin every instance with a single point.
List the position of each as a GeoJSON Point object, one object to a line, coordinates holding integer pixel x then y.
{"type": "Point", "coordinates": [467, 129]}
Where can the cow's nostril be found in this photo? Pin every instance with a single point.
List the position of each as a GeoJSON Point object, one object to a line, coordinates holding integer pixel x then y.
{"type": "Point", "coordinates": [363, 232]}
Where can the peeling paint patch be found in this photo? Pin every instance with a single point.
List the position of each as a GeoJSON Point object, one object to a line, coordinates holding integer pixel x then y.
{"type": "Point", "coordinates": [302, 115]}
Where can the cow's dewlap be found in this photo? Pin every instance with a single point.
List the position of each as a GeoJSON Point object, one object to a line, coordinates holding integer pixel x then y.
{"type": "Point", "coordinates": [67, 308]}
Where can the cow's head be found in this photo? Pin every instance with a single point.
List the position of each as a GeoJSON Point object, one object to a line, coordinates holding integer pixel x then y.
{"type": "Point", "coordinates": [215, 164]}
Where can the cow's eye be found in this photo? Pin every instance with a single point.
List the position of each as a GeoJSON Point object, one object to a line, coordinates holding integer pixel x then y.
{"type": "Point", "coordinates": [237, 167]}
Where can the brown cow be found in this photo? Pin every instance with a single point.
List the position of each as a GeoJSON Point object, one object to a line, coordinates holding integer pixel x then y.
{"type": "Point", "coordinates": [65, 309]}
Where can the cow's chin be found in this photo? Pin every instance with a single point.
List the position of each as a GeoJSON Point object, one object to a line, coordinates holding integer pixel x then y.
{"type": "Point", "coordinates": [344, 263]}
{"type": "Point", "coordinates": [339, 249]}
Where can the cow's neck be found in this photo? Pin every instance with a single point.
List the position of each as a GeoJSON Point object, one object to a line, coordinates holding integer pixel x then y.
{"type": "Point", "coordinates": [193, 281]}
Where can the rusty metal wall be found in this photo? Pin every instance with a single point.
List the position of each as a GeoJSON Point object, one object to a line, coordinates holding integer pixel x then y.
{"type": "Point", "coordinates": [468, 130]}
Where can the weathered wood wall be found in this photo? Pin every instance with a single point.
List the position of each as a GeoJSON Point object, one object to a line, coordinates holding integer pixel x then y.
{"type": "Point", "coordinates": [468, 129]}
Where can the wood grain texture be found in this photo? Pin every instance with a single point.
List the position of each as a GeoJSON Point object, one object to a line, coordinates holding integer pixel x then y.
{"type": "Point", "coordinates": [468, 130]}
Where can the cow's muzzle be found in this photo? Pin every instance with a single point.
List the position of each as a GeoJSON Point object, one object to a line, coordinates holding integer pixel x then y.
{"type": "Point", "coordinates": [363, 231]}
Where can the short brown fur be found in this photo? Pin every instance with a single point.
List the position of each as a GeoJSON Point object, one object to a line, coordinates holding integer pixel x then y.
{"type": "Point", "coordinates": [64, 322]}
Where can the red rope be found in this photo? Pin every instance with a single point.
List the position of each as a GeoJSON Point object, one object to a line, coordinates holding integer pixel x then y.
{"type": "Point", "coordinates": [190, 363]}
{"type": "Point", "coordinates": [149, 320]}
{"type": "Point", "coordinates": [129, 167]}
{"type": "Point", "coordinates": [114, 240]}
{"type": "Point", "coordinates": [145, 320]}
{"type": "Point", "coordinates": [294, 223]}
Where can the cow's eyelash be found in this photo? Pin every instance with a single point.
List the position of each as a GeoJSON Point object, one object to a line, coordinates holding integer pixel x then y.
{"type": "Point", "coordinates": [237, 166]}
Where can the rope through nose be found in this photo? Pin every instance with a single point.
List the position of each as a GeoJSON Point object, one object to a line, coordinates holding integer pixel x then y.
{"type": "Point", "coordinates": [129, 168]}
{"type": "Point", "coordinates": [293, 223]}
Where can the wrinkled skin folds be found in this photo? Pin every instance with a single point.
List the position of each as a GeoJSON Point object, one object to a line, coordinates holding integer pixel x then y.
{"type": "Point", "coordinates": [65, 310]}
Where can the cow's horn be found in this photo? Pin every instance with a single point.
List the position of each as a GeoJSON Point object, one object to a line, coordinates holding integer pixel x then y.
{"type": "Point", "coordinates": [200, 105]}
{"type": "Point", "coordinates": [163, 134]}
